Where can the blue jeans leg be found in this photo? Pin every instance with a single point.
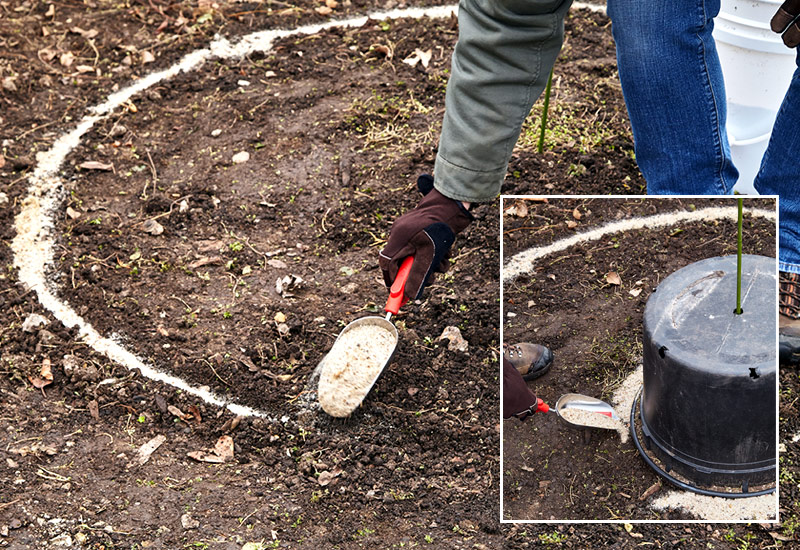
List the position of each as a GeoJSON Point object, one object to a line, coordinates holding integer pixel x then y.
{"type": "Point", "coordinates": [673, 87]}
{"type": "Point", "coordinates": [780, 174]}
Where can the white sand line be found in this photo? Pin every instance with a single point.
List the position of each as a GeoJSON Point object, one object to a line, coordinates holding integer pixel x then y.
{"type": "Point", "coordinates": [525, 261]}
{"type": "Point", "coordinates": [762, 508]}
{"type": "Point", "coordinates": [33, 244]}
{"type": "Point", "coordinates": [586, 6]}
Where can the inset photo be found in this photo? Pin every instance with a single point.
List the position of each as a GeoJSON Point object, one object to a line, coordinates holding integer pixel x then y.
{"type": "Point", "coordinates": [639, 359]}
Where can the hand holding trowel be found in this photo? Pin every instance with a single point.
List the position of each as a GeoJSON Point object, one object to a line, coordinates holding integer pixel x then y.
{"type": "Point", "coordinates": [360, 353]}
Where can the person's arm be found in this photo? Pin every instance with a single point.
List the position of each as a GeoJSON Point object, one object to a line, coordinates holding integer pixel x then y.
{"type": "Point", "coordinates": [518, 400]}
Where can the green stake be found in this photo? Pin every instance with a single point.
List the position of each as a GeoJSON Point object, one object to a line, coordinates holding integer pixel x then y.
{"type": "Point", "coordinates": [544, 112]}
{"type": "Point", "coordinates": [738, 310]}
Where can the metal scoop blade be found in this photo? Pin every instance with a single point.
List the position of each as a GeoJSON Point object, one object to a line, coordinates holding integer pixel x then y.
{"type": "Point", "coordinates": [360, 353]}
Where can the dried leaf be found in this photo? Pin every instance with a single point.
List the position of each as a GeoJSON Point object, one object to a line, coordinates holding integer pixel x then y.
{"type": "Point", "coordinates": [195, 412]}
{"type": "Point", "coordinates": [203, 456]}
{"type": "Point", "coordinates": [223, 448]}
{"type": "Point", "coordinates": [45, 377]}
{"type": "Point", "coordinates": [83, 69]}
{"type": "Point", "coordinates": [613, 278]}
{"type": "Point", "coordinates": [95, 165]}
{"type": "Point", "coordinates": [323, 10]}
{"type": "Point", "coordinates": [518, 209]}
{"type": "Point", "coordinates": [144, 452]}
{"type": "Point", "coordinates": [152, 227]}
{"type": "Point", "coordinates": [572, 224]}
{"type": "Point", "coordinates": [147, 57]}
{"type": "Point", "coordinates": [2, 161]}
{"type": "Point", "coordinates": [94, 410]}
{"type": "Point", "coordinates": [326, 477]}
{"type": "Point", "coordinates": [9, 83]}
{"type": "Point", "coordinates": [51, 11]}
{"type": "Point", "coordinates": [47, 54]}
{"type": "Point", "coordinates": [204, 261]}
{"type": "Point", "coordinates": [331, 4]}
{"type": "Point", "coordinates": [635, 292]}
{"type": "Point", "coordinates": [651, 490]}
{"type": "Point", "coordinates": [277, 264]}
{"type": "Point", "coordinates": [576, 214]}
{"type": "Point", "coordinates": [66, 59]}
{"type": "Point", "coordinates": [280, 317]}
{"type": "Point", "coordinates": [419, 56]}
{"type": "Point", "coordinates": [288, 283]}
{"type": "Point", "coordinates": [91, 33]}
{"type": "Point", "coordinates": [382, 49]}
{"type": "Point", "coordinates": [177, 412]}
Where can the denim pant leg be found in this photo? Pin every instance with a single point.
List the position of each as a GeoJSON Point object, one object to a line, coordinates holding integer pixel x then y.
{"type": "Point", "coordinates": [780, 174]}
{"type": "Point", "coordinates": [500, 66]}
{"type": "Point", "coordinates": [675, 95]}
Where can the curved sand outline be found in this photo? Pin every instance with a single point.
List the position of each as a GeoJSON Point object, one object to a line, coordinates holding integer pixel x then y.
{"type": "Point", "coordinates": [33, 245]}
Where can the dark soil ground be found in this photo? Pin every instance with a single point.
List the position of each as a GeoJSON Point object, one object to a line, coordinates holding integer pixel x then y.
{"type": "Point", "coordinates": [337, 128]}
{"type": "Point", "coordinates": [594, 329]}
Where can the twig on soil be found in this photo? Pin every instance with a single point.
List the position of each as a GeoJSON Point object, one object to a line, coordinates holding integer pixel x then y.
{"type": "Point", "coordinates": [325, 215]}
{"type": "Point", "coordinates": [155, 174]}
{"type": "Point", "coordinates": [22, 441]}
{"type": "Point", "coordinates": [538, 229]}
{"type": "Point", "coordinates": [96, 53]}
{"type": "Point", "coordinates": [215, 372]}
{"type": "Point", "coordinates": [26, 132]}
{"type": "Point", "coordinates": [466, 253]}
{"type": "Point", "coordinates": [52, 476]}
{"type": "Point", "coordinates": [6, 504]}
{"type": "Point", "coordinates": [242, 520]}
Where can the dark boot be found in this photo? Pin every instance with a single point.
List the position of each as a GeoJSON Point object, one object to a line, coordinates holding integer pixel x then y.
{"type": "Point", "coordinates": [789, 319]}
{"type": "Point", "coordinates": [530, 360]}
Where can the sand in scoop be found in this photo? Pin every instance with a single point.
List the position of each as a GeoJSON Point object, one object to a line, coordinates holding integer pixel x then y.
{"type": "Point", "coordinates": [350, 368]}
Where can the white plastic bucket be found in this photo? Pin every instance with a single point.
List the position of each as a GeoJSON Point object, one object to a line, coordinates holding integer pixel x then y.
{"type": "Point", "coordinates": [757, 68]}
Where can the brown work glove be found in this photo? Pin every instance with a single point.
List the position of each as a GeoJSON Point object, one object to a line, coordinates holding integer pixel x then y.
{"type": "Point", "coordinates": [518, 399]}
{"type": "Point", "coordinates": [786, 22]}
{"type": "Point", "coordinates": [427, 233]}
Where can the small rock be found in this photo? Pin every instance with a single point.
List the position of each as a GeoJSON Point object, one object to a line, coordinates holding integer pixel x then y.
{"type": "Point", "coordinates": [243, 83]}
{"type": "Point", "coordinates": [277, 264]}
{"type": "Point", "coordinates": [283, 329]}
{"type": "Point", "coordinates": [152, 227]}
{"type": "Point", "coordinates": [70, 364]}
{"type": "Point", "coordinates": [188, 523]}
{"type": "Point", "coordinates": [61, 540]}
{"type": "Point", "coordinates": [240, 158]}
{"type": "Point", "coordinates": [183, 206]}
{"type": "Point", "coordinates": [118, 131]}
{"type": "Point", "coordinates": [216, 132]}
{"type": "Point", "coordinates": [33, 322]}
{"type": "Point", "coordinates": [457, 342]}
{"type": "Point", "coordinates": [3, 199]}
{"type": "Point", "coordinates": [349, 288]}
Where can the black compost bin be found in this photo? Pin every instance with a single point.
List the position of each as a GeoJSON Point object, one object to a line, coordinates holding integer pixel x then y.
{"type": "Point", "coordinates": [707, 408]}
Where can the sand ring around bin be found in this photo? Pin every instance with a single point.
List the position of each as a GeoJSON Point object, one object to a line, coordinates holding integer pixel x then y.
{"type": "Point", "coordinates": [33, 245]}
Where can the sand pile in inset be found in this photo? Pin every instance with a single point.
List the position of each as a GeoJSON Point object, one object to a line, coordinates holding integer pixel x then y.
{"type": "Point", "coordinates": [352, 365]}
{"type": "Point", "coordinates": [593, 419]}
